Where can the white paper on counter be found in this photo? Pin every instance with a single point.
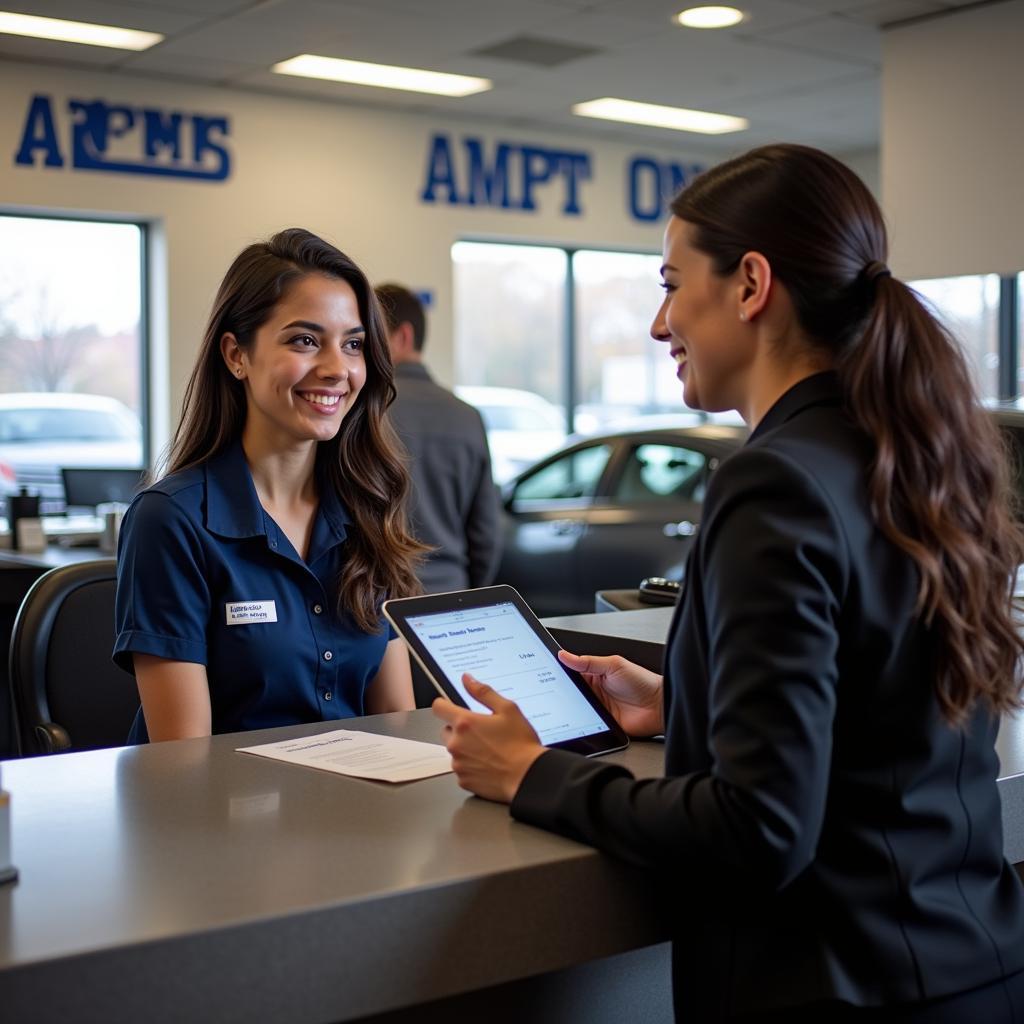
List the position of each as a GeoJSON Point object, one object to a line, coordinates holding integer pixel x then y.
{"type": "Point", "coordinates": [364, 755]}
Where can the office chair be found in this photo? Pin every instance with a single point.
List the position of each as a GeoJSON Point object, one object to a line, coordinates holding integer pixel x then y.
{"type": "Point", "coordinates": [68, 694]}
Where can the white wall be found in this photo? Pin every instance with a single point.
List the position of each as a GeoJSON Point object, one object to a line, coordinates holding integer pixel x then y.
{"type": "Point", "coordinates": [353, 175]}
{"type": "Point", "coordinates": [952, 154]}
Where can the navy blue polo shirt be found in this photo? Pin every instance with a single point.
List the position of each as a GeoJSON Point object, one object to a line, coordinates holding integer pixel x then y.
{"type": "Point", "coordinates": [205, 575]}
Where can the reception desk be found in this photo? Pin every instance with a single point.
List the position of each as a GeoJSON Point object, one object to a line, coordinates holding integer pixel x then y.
{"type": "Point", "coordinates": [189, 882]}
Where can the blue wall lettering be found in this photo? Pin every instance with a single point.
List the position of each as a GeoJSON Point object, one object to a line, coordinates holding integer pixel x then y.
{"type": "Point", "coordinates": [123, 139]}
{"type": "Point", "coordinates": [163, 131]}
{"type": "Point", "coordinates": [440, 172]}
{"type": "Point", "coordinates": [652, 183]}
{"type": "Point", "coordinates": [39, 133]}
{"type": "Point", "coordinates": [202, 143]}
{"type": "Point", "coordinates": [488, 184]}
{"type": "Point", "coordinates": [507, 179]}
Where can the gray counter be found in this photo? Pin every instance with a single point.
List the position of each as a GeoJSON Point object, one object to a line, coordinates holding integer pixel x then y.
{"type": "Point", "coordinates": [186, 881]}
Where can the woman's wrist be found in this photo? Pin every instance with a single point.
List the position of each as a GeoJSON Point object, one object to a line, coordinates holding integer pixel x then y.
{"type": "Point", "coordinates": [523, 766]}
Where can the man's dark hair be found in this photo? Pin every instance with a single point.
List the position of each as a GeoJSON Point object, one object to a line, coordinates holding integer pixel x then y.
{"type": "Point", "coordinates": [399, 306]}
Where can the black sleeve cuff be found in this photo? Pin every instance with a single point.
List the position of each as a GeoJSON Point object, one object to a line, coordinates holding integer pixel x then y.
{"type": "Point", "coordinates": [558, 791]}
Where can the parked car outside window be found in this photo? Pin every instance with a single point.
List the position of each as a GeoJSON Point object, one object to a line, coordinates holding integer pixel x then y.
{"type": "Point", "coordinates": [42, 432]}
{"type": "Point", "coordinates": [521, 426]}
{"type": "Point", "coordinates": [606, 511]}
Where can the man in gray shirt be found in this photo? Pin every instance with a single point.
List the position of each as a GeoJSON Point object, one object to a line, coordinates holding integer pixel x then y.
{"type": "Point", "coordinates": [454, 501]}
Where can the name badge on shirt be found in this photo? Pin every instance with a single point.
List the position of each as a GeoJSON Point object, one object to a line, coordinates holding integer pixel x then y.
{"type": "Point", "coordinates": [241, 612]}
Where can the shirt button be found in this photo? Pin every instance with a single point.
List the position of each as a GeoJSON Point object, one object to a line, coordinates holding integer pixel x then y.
{"type": "Point", "coordinates": [317, 609]}
{"type": "Point", "coordinates": [328, 655]}
{"type": "Point", "coordinates": [327, 695]}
{"type": "Point", "coordinates": [273, 543]}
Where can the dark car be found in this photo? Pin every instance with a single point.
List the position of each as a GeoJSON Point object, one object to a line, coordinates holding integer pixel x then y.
{"type": "Point", "coordinates": [607, 511]}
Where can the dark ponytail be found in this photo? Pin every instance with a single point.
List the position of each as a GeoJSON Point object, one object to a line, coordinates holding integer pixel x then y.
{"type": "Point", "coordinates": [939, 482]}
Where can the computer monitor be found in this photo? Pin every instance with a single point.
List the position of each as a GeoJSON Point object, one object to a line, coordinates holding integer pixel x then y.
{"type": "Point", "coordinates": [87, 488]}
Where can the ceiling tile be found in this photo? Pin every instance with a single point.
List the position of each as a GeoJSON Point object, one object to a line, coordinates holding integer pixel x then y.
{"type": "Point", "coordinates": [47, 51]}
{"type": "Point", "coordinates": [108, 12]}
{"type": "Point", "coordinates": [830, 36]}
{"type": "Point", "coordinates": [208, 8]}
{"type": "Point", "coordinates": [883, 12]}
{"type": "Point", "coordinates": [760, 14]}
{"type": "Point", "coordinates": [194, 69]}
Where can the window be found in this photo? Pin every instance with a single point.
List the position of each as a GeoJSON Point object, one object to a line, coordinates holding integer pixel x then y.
{"type": "Point", "coordinates": [549, 340]}
{"type": "Point", "coordinates": [969, 308]}
{"type": "Point", "coordinates": [621, 372]}
{"type": "Point", "coordinates": [71, 350]}
{"type": "Point", "coordinates": [514, 310]}
{"type": "Point", "coordinates": [1016, 325]}
{"type": "Point", "coordinates": [656, 472]}
{"type": "Point", "coordinates": [509, 313]}
{"type": "Point", "coordinates": [571, 477]}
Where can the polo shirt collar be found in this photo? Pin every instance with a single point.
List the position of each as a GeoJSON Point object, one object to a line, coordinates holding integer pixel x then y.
{"type": "Point", "coordinates": [818, 389]}
{"type": "Point", "coordinates": [233, 508]}
{"type": "Point", "coordinates": [332, 514]}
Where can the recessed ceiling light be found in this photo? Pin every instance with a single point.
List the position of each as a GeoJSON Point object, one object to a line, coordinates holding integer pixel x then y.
{"type": "Point", "coordinates": [709, 17]}
{"type": "Point", "coordinates": [383, 76]}
{"type": "Point", "coordinates": [76, 32]}
{"type": "Point", "coordinates": [679, 118]}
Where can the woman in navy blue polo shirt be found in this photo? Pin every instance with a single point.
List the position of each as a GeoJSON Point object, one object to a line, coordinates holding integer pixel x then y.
{"type": "Point", "coordinates": [250, 578]}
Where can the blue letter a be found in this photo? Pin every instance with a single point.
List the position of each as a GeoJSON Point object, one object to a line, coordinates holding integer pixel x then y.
{"type": "Point", "coordinates": [39, 133]}
{"type": "Point", "coordinates": [440, 171]}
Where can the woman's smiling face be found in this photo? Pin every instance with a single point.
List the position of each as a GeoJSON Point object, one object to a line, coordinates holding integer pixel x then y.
{"type": "Point", "coordinates": [306, 365]}
{"type": "Point", "coordinates": [700, 319]}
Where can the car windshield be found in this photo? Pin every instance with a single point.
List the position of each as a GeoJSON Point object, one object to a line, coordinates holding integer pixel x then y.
{"type": "Point", "coordinates": [22, 426]}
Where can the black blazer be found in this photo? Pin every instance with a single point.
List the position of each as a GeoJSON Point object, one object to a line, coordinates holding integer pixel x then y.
{"type": "Point", "coordinates": [822, 832]}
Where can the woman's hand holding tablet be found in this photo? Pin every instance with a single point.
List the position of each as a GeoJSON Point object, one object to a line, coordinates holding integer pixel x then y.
{"type": "Point", "coordinates": [631, 693]}
{"type": "Point", "coordinates": [491, 635]}
{"type": "Point", "coordinates": [490, 753]}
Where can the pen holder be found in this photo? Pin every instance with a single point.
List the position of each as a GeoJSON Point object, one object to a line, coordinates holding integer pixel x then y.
{"type": "Point", "coordinates": [111, 513]}
{"type": "Point", "coordinates": [21, 506]}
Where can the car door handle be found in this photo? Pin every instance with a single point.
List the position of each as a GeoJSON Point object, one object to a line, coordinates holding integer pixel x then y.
{"type": "Point", "coordinates": [683, 528]}
{"type": "Point", "coordinates": [566, 527]}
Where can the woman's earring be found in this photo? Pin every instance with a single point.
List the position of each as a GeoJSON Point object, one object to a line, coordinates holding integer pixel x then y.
{"type": "Point", "coordinates": [238, 372]}
{"type": "Point", "coordinates": [743, 316]}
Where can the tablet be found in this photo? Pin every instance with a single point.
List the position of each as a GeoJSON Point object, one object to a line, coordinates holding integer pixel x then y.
{"type": "Point", "coordinates": [492, 634]}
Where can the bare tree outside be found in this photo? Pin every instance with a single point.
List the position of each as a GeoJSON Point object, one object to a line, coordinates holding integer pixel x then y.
{"type": "Point", "coordinates": [510, 317]}
{"type": "Point", "coordinates": [69, 307]}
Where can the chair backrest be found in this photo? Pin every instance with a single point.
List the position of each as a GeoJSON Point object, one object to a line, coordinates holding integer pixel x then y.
{"type": "Point", "coordinates": [68, 694]}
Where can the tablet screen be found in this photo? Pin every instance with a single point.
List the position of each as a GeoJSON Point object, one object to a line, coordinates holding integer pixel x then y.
{"type": "Point", "coordinates": [496, 645]}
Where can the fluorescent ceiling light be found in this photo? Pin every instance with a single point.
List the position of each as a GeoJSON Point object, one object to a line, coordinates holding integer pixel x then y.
{"type": "Point", "coordinates": [679, 118]}
{"type": "Point", "coordinates": [383, 76]}
{"type": "Point", "coordinates": [709, 17]}
{"type": "Point", "coordinates": [76, 32]}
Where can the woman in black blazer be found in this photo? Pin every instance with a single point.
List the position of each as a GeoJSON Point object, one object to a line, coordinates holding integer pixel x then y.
{"type": "Point", "coordinates": [829, 827]}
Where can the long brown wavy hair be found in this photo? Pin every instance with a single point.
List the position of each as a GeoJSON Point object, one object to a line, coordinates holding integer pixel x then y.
{"type": "Point", "coordinates": [362, 462]}
{"type": "Point", "coordinates": [939, 482]}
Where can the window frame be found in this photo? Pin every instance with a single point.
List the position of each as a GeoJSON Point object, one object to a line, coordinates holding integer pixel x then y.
{"type": "Point", "coordinates": [569, 362]}
{"type": "Point", "coordinates": [1008, 318]}
{"type": "Point", "coordinates": [145, 354]}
